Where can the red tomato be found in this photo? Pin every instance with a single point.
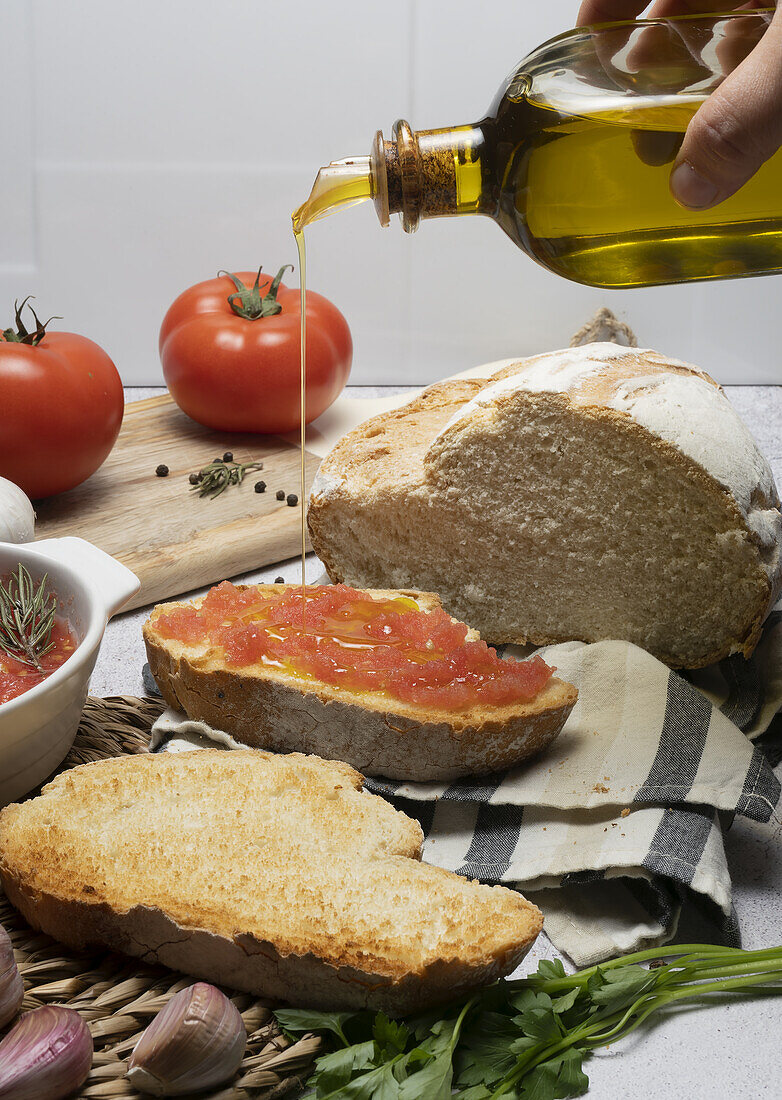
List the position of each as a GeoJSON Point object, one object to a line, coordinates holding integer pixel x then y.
{"type": "Point", "coordinates": [61, 407]}
{"type": "Point", "coordinates": [238, 374]}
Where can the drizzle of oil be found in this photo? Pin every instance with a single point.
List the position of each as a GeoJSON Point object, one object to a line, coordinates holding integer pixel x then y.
{"type": "Point", "coordinates": [337, 186]}
{"type": "Point", "coordinates": [342, 630]}
{"type": "Point", "coordinates": [298, 235]}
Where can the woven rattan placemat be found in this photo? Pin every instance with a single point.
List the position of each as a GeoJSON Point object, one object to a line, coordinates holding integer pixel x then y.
{"type": "Point", "coordinates": [117, 996]}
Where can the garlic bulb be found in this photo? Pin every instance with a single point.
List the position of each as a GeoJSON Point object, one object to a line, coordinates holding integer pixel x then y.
{"type": "Point", "coordinates": [47, 1053]}
{"type": "Point", "coordinates": [17, 518]}
{"type": "Point", "coordinates": [195, 1042]}
{"type": "Point", "coordinates": [11, 984]}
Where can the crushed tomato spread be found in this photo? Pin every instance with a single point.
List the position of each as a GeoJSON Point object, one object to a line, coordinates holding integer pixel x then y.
{"type": "Point", "coordinates": [344, 637]}
{"type": "Point", "coordinates": [17, 677]}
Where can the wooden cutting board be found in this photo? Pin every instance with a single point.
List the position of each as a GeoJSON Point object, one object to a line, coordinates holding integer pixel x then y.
{"type": "Point", "coordinates": [170, 537]}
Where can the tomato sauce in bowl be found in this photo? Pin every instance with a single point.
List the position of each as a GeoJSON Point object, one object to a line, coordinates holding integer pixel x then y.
{"type": "Point", "coordinates": [357, 641]}
{"type": "Point", "coordinates": [19, 674]}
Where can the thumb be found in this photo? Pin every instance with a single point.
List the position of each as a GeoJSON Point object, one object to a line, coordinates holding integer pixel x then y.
{"type": "Point", "coordinates": [736, 129]}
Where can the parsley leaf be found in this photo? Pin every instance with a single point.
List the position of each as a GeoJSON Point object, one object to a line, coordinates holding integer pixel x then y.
{"type": "Point", "coordinates": [566, 1001]}
{"type": "Point", "coordinates": [378, 1084]}
{"type": "Point", "coordinates": [389, 1035]}
{"type": "Point", "coordinates": [537, 1018]}
{"type": "Point", "coordinates": [298, 1020]}
{"type": "Point", "coordinates": [433, 1081]}
{"type": "Point", "coordinates": [622, 986]}
{"type": "Point", "coordinates": [336, 1069]}
{"type": "Point", "coordinates": [540, 1083]}
{"type": "Point", "coordinates": [571, 1081]}
{"type": "Point", "coordinates": [550, 968]}
{"type": "Point", "coordinates": [486, 1052]}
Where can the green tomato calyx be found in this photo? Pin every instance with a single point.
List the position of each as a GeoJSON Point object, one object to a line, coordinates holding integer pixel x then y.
{"type": "Point", "coordinates": [20, 335]}
{"type": "Point", "coordinates": [248, 302]}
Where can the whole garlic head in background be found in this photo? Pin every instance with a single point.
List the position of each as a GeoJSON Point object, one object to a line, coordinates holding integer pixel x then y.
{"type": "Point", "coordinates": [17, 518]}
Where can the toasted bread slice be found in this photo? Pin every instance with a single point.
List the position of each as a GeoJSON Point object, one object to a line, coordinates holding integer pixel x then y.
{"type": "Point", "coordinates": [277, 875]}
{"type": "Point", "coordinates": [268, 708]}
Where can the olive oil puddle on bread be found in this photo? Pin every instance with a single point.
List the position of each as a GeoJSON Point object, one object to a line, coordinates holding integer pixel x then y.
{"type": "Point", "coordinates": [278, 875]}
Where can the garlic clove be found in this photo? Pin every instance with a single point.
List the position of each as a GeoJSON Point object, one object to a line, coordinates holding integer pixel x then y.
{"type": "Point", "coordinates": [197, 1041]}
{"type": "Point", "coordinates": [48, 1053]}
{"type": "Point", "coordinates": [11, 984]}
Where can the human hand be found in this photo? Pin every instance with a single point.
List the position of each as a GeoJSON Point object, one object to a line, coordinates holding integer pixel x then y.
{"type": "Point", "coordinates": [739, 126]}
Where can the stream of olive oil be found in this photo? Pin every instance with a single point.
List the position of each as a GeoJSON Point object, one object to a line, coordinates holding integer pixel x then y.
{"type": "Point", "coordinates": [338, 185]}
{"type": "Point", "coordinates": [298, 235]}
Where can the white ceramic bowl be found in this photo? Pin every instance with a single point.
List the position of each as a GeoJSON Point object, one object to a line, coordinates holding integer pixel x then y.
{"type": "Point", "coordinates": [37, 728]}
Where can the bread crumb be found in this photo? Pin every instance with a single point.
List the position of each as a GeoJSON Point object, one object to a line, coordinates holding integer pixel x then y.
{"type": "Point", "coordinates": [625, 811]}
{"type": "Point", "coordinates": [600, 788]}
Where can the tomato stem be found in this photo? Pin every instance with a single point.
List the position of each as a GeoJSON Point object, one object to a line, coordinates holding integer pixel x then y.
{"type": "Point", "coordinates": [248, 302]}
{"type": "Point", "coordinates": [20, 335]}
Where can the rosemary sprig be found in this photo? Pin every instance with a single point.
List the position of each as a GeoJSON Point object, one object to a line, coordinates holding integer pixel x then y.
{"type": "Point", "coordinates": [26, 618]}
{"type": "Point", "coordinates": [219, 474]}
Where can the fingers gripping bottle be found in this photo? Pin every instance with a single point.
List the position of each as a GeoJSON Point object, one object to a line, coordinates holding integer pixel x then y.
{"type": "Point", "coordinates": [573, 159]}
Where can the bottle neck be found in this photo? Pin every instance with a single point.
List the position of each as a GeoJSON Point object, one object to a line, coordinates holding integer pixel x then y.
{"type": "Point", "coordinates": [427, 173]}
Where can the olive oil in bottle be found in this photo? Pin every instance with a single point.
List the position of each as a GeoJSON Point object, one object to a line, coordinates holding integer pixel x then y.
{"type": "Point", "coordinates": [574, 157]}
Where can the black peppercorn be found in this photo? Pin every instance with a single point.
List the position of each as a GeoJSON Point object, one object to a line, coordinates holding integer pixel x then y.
{"type": "Point", "coordinates": [260, 486]}
{"type": "Point", "coordinates": [194, 479]}
{"type": "Point", "coordinates": [279, 580]}
{"type": "Point", "coordinates": [280, 494]}
{"type": "Point", "coordinates": [162, 470]}
{"type": "Point", "coordinates": [228, 456]}
{"type": "Point", "coordinates": [292, 500]}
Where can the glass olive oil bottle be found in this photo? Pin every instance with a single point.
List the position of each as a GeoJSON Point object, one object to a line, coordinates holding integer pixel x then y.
{"type": "Point", "coordinates": [574, 157]}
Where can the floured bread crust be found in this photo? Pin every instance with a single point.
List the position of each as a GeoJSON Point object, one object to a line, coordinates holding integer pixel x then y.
{"type": "Point", "coordinates": [677, 402]}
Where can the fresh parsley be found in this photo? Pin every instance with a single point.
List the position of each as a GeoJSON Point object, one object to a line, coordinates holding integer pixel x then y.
{"type": "Point", "coordinates": [525, 1039]}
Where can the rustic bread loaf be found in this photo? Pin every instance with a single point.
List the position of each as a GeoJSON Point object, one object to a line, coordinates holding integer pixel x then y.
{"type": "Point", "coordinates": [266, 707]}
{"type": "Point", "coordinates": [596, 492]}
{"type": "Point", "coordinates": [277, 875]}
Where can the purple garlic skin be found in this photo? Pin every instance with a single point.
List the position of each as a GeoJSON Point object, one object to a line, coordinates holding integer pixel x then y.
{"type": "Point", "coordinates": [47, 1053]}
{"type": "Point", "coordinates": [196, 1042]}
{"type": "Point", "coordinates": [11, 984]}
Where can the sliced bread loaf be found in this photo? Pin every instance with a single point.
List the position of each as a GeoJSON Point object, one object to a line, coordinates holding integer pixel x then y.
{"type": "Point", "coordinates": [277, 875]}
{"type": "Point", "coordinates": [267, 707]}
{"type": "Point", "coordinates": [592, 493]}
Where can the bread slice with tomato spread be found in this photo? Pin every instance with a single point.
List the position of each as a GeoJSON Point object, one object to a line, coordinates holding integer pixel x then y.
{"type": "Point", "coordinates": [279, 707]}
{"type": "Point", "coordinates": [274, 874]}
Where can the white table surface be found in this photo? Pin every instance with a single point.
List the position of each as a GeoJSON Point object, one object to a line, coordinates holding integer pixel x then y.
{"type": "Point", "coordinates": [732, 1050]}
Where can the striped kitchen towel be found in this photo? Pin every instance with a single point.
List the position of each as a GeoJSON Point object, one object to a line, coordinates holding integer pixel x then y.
{"type": "Point", "coordinates": [616, 832]}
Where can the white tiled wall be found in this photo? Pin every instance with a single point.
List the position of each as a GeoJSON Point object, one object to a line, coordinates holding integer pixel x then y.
{"type": "Point", "coordinates": [146, 145]}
